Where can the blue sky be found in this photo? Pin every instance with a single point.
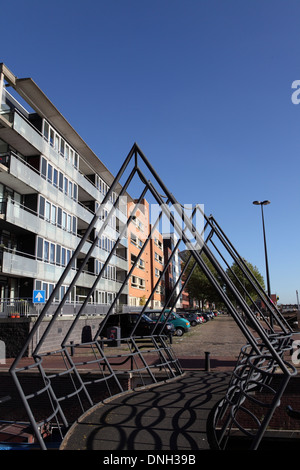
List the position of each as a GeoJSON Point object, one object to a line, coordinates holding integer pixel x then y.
{"type": "Point", "coordinates": [203, 87]}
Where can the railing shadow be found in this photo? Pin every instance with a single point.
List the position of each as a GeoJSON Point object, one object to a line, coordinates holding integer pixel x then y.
{"type": "Point", "coordinates": [170, 416]}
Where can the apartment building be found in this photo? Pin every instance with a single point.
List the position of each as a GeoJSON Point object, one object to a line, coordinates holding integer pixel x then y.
{"type": "Point", "coordinates": [157, 260]}
{"type": "Point", "coordinates": [149, 262]}
{"type": "Point", "coordinates": [51, 184]}
{"type": "Point", "coordinates": [174, 269]}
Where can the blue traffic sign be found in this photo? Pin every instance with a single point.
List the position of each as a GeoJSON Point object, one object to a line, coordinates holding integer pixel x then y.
{"type": "Point", "coordinates": [39, 296]}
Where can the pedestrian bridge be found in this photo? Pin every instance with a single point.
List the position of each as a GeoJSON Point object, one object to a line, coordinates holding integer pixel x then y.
{"type": "Point", "coordinates": [207, 247]}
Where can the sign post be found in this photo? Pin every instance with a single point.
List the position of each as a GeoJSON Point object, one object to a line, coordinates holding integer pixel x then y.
{"type": "Point", "coordinates": [39, 297]}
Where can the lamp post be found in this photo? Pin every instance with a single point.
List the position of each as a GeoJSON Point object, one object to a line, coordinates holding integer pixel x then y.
{"type": "Point", "coordinates": [261, 204]}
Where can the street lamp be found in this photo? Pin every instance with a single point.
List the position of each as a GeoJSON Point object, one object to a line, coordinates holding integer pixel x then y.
{"type": "Point", "coordinates": [261, 204]}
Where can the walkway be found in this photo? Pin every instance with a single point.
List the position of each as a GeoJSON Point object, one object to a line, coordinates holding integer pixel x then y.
{"type": "Point", "coordinates": [171, 416]}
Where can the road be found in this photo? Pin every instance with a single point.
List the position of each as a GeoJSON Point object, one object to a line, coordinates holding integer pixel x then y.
{"type": "Point", "coordinates": [221, 337]}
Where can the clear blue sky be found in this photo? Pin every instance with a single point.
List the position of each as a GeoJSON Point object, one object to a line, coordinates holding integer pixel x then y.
{"type": "Point", "coordinates": [204, 88]}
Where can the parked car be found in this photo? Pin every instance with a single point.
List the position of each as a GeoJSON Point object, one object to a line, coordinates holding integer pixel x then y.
{"type": "Point", "coordinates": [127, 321]}
{"type": "Point", "coordinates": [206, 316]}
{"type": "Point", "coordinates": [181, 324]}
{"type": "Point", "coordinates": [193, 318]}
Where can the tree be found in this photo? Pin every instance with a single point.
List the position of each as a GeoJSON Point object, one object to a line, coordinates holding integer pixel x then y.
{"type": "Point", "coordinates": [242, 283]}
{"type": "Point", "coordinates": [202, 290]}
{"type": "Point", "coordinates": [199, 287]}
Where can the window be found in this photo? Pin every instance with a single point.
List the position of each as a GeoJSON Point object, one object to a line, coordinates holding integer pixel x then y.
{"type": "Point", "coordinates": [52, 253]}
{"type": "Point", "coordinates": [67, 152]}
{"type": "Point", "coordinates": [133, 238]}
{"type": "Point", "coordinates": [55, 177]}
{"type": "Point", "coordinates": [46, 250]}
{"type": "Point", "coordinates": [43, 167]}
{"type": "Point", "coordinates": [56, 142]}
{"type": "Point", "coordinates": [157, 242]}
{"type": "Point", "coordinates": [75, 192]}
{"type": "Point", "coordinates": [69, 220]}
{"type": "Point", "coordinates": [42, 207]}
{"type": "Point", "coordinates": [74, 230]}
{"type": "Point", "coordinates": [39, 251]}
{"type": "Point", "coordinates": [63, 256]}
{"type": "Point", "coordinates": [76, 160]}
{"type": "Point", "coordinates": [53, 214]}
{"type": "Point", "coordinates": [62, 146]}
{"type": "Point", "coordinates": [58, 254]}
{"type": "Point", "coordinates": [46, 130]}
{"type": "Point", "coordinates": [137, 282]}
{"type": "Point", "coordinates": [49, 173]}
{"type": "Point", "coordinates": [64, 220]}
{"type": "Point", "coordinates": [59, 216]}
{"type": "Point", "coordinates": [52, 137]}
{"type": "Point", "coordinates": [61, 182]}
{"type": "Point", "coordinates": [158, 258]}
{"type": "Point", "coordinates": [47, 210]}
{"type": "Point", "coordinates": [66, 185]}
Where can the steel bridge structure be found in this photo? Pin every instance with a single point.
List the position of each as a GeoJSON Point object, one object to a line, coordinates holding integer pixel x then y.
{"type": "Point", "coordinates": [206, 246]}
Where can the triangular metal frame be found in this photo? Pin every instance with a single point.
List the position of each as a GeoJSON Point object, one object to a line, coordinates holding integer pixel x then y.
{"type": "Point", "coordinates": [266, 341]}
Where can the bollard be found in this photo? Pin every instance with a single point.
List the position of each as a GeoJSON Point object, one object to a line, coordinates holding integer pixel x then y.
{"type": "Point", "coordinates": [207, 361]}
{"type": "Point", "coordinates": [72, 348]}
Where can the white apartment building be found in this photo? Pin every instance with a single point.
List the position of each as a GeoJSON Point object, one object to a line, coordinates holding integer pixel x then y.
{"type": "Point", "coordinates": [51, 184]}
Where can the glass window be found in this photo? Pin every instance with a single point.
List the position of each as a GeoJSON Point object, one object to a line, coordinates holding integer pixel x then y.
{"type": "Point", "coordinates": [46, 250]}
{"type": "Point", "coordinates": [56, 142]}
{"type": "Point", "coordinates": [51, 288]}
{"type": "Point", "coordinates": [55, 177]}
{"type": "Point", "coordinates": [52, 137]}
{"type": "Point", "coordinates": [46, 130]}
{"type": "Point", "coordinates": [66, 185]}
{"type": "Point", "coordinates": [61, 181]}
{"type": "Point", "coordinates": [53, 214]}
{"type": "Point", "coordinates": [52, 253]}
{"type": "Point", "coordinates": [45, 288]}
{"type": "Point", "coordinates": [64, 221]}
{"type": "Point", "coordinates": [75, 192]}
{"type": "Point", "coordinates": [39, 251]}
{"type": "Point", "coordinates": [47, 210]}
{"type": "Point", "coordinates": [74, 225]}
{"type": "Point", "coordinates": [63, 256]}
{"type": "Point", "coordinates": [42, 207]}
{"type": "Point", "coordinates": [43, 167]}
{"type": "Point", "coordinates": [59, 216]}
{"type": "Point", "coordinates": [38, 285]}
{"type": "Point", "coordinates": [62, 146]}
{"type": "Point", "coordinates": [69, 222]}
{"type": "Point", "coordinates": [50, 168]}
{"type": "Point", "coordinates": [58, 254]}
